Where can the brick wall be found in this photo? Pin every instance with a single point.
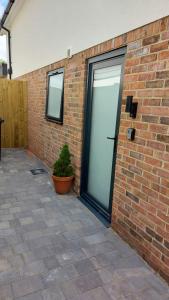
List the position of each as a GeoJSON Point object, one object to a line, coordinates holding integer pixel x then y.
{"type": "Point", "coordinates": [141, 193]}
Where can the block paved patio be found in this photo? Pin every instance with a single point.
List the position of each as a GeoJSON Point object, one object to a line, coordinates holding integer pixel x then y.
{"type": "Point", "coordinates": [53, 248]}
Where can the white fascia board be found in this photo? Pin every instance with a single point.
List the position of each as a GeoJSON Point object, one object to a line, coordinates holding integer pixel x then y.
{"type": "Point", "coordinates": [13, 13]}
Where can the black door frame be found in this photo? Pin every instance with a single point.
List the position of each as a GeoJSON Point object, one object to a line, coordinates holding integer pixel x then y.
{"type": "Point", "coordinates": [119, 56]}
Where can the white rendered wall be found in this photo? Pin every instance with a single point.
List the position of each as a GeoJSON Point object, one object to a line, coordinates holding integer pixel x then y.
{"type": "Point", "coordinates": [44, 29]}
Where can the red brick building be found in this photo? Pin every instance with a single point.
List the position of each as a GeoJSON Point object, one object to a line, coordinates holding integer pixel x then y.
{"type": "Point", "coordinates": [135, 187]}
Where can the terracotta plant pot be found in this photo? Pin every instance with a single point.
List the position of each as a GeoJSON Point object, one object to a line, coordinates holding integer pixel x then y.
{"type": "Point", "coordinates": [62, 184]}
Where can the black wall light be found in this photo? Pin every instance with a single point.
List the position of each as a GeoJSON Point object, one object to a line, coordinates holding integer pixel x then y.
{"type": "Point", "coordinates": [131, 107]}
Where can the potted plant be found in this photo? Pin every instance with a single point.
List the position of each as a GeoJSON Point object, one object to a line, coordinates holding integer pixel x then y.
{"type": "Point", "coordinates": [63, 174]}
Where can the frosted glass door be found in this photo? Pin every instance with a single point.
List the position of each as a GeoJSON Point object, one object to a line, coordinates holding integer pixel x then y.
{"type": "Point", "coordinates": [105, 95]}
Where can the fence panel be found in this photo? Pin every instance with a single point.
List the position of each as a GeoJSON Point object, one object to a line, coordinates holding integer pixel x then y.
{"type": "Point", "coordinates": [13, 109]}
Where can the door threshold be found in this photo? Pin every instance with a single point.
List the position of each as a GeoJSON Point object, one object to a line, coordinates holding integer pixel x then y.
{"type": "Point", "coordinates": [100, 217]}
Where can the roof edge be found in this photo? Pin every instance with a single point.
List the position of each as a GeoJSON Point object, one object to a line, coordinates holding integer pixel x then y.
{"type": "Point", "coordinates": [6, 13]}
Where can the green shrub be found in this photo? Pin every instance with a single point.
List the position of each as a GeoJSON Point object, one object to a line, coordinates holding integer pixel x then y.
{"type": "Point", "coordinates": [63, 167]}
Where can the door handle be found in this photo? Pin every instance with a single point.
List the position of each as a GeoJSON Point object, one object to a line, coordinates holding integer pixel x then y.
{"type": "Point", "coordinates": [112, 138]}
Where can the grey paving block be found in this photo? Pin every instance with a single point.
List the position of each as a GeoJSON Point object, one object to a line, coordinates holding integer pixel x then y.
{"type": "Point", "coordinates": [70, 256]}
{"type": "Point", "coordinates": [151, 294]}
{"type": "Point", "coordinates": [45, 199]}
{"type": "Point", "coordinates": [60, 275]}
{"type": "Point", "coordinates": [106, 275]}
{"type": "Point", "coordinates": [39, 242]}
{"type": "Point", "coordinates": [157, 284]}
{"type": "Point", "coordinates": [34, 296]}
{"type": "Point", "coordinates": [6, 232]}
{"type": "Point", "coordinates": [88, 282]}
{"type": "Point", "coordinates": [4, 225]}
{"type": "Point", "coordinates": [20, 248]}
{"type": "Point", "coordinates": [14, 223]}
{"type": "Point", "coordinates": [93, 250]}
{"type": "Point", "coordinates": [7, 217]}
{"type": "Point", "coordinates": [6, 292]}
{"type": "Point", "coordinates": [84, 266]}
{"type": "Point", "coordinates": [105, 259]}
{"type": "Point", "coordinates": [131, 262]}
{"type": "Point", "coordinates": [51, 262]}
{"type": "Point", "coordinates": [96, 294]}
{"type": "Point", "coordinates": [36, 226]}
{"type": "Point", "coordinates": [3, 243]}
{"type": "Point", "coordinates": [43, 252]}
{"type": "Point", "coordinates": [96, 238]}
{"type": "Point", "coordinates": [16, 261]}
{"type": "Point", "coordinates": [28, 257]}
{"type": "Point", "coordinates": [53, 293]}
{"type": "Point", "coordinates": [26, 220]}
{"type": "Point", "coordinates": [115, 291]}
{"type": "Point", "coordinates": [70, 290]}
{"type": "Point", "coordinates": [8, 276]}
{"type": "Point", "coordinates": [33, 268]}
{"type": "Point", "coordinates": [14, 239]}
{"type": "Point", "coordinates": [27, 286]}
{"type": "Point", "coordinates": [4, 265]}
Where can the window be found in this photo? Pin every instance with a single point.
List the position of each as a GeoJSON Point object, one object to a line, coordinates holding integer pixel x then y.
{"type": "Point", "coordinates": [54, 103]}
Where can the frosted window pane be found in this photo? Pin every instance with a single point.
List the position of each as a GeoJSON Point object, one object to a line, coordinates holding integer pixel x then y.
{"type": "Point", "coordinates": [103, 124]}
{"type": "Point", "coordinates": [55, 95]}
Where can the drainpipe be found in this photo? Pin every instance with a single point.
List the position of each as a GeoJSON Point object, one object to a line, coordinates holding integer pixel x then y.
{"type": "Point", "coordinates": [9, 51]}
{"type": "Point", "coordinates": [2, 22]}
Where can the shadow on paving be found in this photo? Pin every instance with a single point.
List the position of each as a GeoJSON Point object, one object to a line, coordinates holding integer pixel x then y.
{"type": "Point", "coordinates": [53, 248]}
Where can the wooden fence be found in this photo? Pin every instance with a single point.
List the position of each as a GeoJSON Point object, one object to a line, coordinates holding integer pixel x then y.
{"type": "Point", "coordinates": [13, 109]}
